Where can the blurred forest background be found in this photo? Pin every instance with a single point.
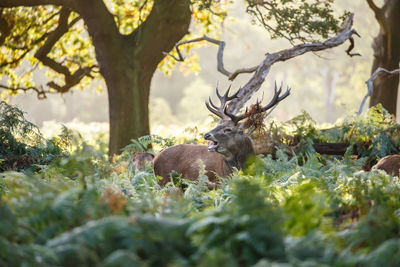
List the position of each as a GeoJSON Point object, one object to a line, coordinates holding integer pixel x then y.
{"type": "Point", "coordinates": [328, 85]}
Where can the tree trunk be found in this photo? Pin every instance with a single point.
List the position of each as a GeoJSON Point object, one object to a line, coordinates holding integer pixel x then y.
{"type": "Point", "coordinates": [127, 62]}
{"type": "Point", "coordinates": [386, 55]}
{"type": "Point", "coordinates": [128, 96]}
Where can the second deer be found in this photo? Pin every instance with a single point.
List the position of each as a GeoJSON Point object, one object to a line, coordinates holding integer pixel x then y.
{"type": "Point", "coordinates": [229, 146]}
{"type": "Point", "coordinates": [390, 164]}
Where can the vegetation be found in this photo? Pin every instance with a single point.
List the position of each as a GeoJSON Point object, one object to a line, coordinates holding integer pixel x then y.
{"type": "Point", "coordinates": [129, 46]}
{"type": "Point", "coordinates": [303, 210]}
{"type": "Point", "coordinates": [21, 143]}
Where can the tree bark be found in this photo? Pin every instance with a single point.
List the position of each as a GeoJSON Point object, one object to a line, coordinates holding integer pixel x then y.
{"type": "Point", "coordinates": [386, 54]}
{"type": "Point", "coordinates": [128, 96]}
{"type": "Point", "coordinates": [128, 62]}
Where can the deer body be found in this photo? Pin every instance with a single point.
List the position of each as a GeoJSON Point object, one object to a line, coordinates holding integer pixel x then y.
{"type": "Point", "coordinates": [390, 164]}
{"type": "Point", "coordinates": [186, 160]}
{"type": "Point", "coordinates": [229, 146]}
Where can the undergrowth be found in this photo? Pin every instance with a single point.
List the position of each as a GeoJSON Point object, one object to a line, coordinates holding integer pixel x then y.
{"type": "Point", "coordinates": [21, 143]}
{"type": "Point", "coordinates": [290, 210]}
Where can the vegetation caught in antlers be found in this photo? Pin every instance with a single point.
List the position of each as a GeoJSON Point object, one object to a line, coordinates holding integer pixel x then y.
{"type": "Point", "coordinates": [274, 101]}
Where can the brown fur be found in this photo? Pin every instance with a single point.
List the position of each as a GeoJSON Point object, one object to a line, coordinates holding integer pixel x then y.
{"type": "Point", "coordinates": [390, 164]}
{"type": "Point", "coordinates": [184, 159]}
{"type": "Point", "coordinates": [140, 158]}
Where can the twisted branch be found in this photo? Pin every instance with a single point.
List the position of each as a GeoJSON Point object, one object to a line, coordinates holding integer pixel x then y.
{"type": "Point", "coordinates": [231, 75]}
{"type": "Point", "coordinates": [261, 71]}
{"type": "Point", "coordinates": [370, 84]}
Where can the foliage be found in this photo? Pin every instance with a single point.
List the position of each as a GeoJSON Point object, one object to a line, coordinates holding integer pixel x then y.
{"type": "Point", "coordinates": [146, 144]}
{"type": "Point", "coordinates": [21, 143]}
{"type": "Point", "coordinates": [30, 27]}
{"type": "Point", "coordinates": [373, 135]}
{"type": "Point", "coordinates": [296, 21]}
{"type": "Point", "coordinates": [85, 210]}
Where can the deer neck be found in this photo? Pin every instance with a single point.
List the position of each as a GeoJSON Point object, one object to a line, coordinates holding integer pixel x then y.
{"type": "Point", "coordinates": [237, 159]}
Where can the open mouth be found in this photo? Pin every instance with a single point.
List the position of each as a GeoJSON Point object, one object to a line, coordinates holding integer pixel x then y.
{"type": "Point", "coordinates": [212, 146]}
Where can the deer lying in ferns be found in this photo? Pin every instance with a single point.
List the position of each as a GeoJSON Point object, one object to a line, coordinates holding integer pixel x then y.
{"type": "Point", "coordinates": [390, 164]}
{"type": "Point", "coordinates": [229, 146]}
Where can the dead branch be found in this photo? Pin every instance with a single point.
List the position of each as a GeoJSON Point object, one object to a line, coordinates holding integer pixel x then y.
{"type": "Point", "coordinates": [370, 84]}
{"type": "Point", "coordinates": [255, 82]}
{"type": "Point", "coordinates": [220, 53]}
{"type": "Point", "coordinates": [231, 75]}
{"type": "Point", "coordinates": [261, 71]}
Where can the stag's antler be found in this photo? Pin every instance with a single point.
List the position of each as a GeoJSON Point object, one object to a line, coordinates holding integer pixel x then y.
{"type": "Point", "coordinates": [274, 101]}
{"type": "Point", "coordinates": [220, 111]}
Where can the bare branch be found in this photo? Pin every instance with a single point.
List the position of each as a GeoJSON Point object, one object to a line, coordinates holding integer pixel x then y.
{"type": "Point", "coordinates": [220, 62]}
{"type": "Point", "coordinates": [240, 71]}
{"type": "Point", "coordinates": [261, 71]}
{"type": "Point", "coordinates": [351, 46]}
{"type": "Point", "coordinates": [370, 84]}
{"type": "Point", "coordinates": [220, 54]}
{"type": "Point", "coordinates": [255, 82]}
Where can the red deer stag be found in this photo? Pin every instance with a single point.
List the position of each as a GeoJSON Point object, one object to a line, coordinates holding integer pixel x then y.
{"type": "Point", "coordinates": [229, 146]}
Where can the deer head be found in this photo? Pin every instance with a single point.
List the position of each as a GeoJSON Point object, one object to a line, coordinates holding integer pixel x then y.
{"type": "Point", "coordinates": [228, 137]}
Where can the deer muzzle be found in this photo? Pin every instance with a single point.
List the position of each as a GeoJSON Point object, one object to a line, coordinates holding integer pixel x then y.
{"type": "Point", "coordinates": [212, 144]}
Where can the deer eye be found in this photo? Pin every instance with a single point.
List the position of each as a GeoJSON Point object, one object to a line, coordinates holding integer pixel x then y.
{"type": "Point", "coordinates": [227, 130]}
